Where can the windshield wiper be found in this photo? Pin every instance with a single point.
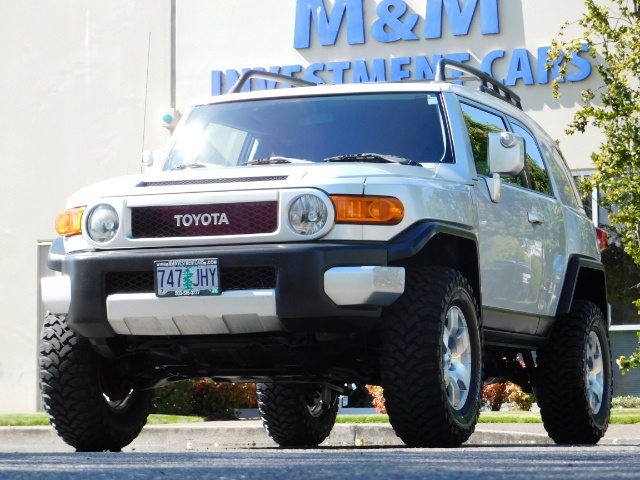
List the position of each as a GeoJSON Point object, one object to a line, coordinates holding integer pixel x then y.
{"type": "Point", "coordinates": [372, 158]}
{"type": "Point", "coordinates": [192, 165]}
{"type": "Point", "coordinates": [275, 161]}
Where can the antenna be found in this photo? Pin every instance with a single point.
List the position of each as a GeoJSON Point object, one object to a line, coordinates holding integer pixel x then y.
{"type": "Point", "coordinates": [146, 94]}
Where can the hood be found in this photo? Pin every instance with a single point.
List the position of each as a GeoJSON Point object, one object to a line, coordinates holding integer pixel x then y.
{"type": "Point", "coordinates": [348, 178]}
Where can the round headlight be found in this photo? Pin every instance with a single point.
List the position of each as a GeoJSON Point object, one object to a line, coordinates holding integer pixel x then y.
{"type": "Point", "coordinates": [102, 223]}
{"type": "Point", "coordinates": [308, 214]}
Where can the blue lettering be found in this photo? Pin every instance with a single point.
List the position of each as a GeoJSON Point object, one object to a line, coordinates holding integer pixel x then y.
{"type": "Point", "coordinates": [460, 17]}
{"type": "Point", "coordinates": [424, 71]}
{"type": "Point", "coordinates": [216, 82]}
{"type": "Point", "coordinates": [338, 69]}
{"type": "Point", "coordinates": [389, 28]}
{"type": "Point", "coordinates": [361, 73]}
{"type": "Point", "coordinates": [397, 70]}
{"type": "Point", "coordinates": [310, 73]}
{"type": "Point", "coordinates": [584, 67]}
{"type": "Point", "coordinates": [487, 61]}
{"type": "Point", "coordinates": [289, 70]}
{"type": "Point", "coordinates": [262, 84]}
{"type": "Point", "coordinates": [232, 76]}
{"type": "Point", "coordinates": [519, 68]}
{"type": "Point", "coordinates": [314, 11]}
{"type": "Point", "coordinates": [458, 57]}
{"type": "Point", "coordinates": [554, 68]}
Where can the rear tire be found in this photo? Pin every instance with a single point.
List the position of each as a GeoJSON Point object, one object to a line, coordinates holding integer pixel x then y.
{"type": "Point", "coordinates": [574, 378]}
{"type": "Point", "coordinates": [431, 359]}
{"type": "Point", "coordinates": [295, 414]}
{"type": "Point", "coordinates": [86, 414]}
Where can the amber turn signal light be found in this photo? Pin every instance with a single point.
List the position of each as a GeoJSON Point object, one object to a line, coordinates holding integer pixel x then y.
{"type": "Point", "coordinates": [363, 209]}
{"type": "Point", "coordinates": [69, 222]}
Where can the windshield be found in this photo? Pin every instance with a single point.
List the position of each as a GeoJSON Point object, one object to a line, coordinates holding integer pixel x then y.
{"type": "Point", "coordinates": [408, 126]}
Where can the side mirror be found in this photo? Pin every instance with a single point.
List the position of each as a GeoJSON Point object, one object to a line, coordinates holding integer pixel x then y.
{"type": "Point", "coordinates": [506, 154]}
{"type": "Point", "coordinates": [505, 157]}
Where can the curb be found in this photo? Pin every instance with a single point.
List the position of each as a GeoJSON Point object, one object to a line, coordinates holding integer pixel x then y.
{"type": "Point", "coordinates": [212, 436]}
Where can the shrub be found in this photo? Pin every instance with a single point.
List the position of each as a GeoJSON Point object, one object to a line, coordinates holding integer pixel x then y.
{"type": "Point", "coordinates": [376, 393]}
{"type": "Point", "coordinates": [522, 401]}
{"type": "Point", "coordinates": [205, 398]}
{"type": "Point", "coordinates": [495, 394]}
{"type": "Point", "coordinates": [625, 402]}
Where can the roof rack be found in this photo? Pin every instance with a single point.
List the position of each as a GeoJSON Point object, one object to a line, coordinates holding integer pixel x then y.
{"type": "Point", "coordinates": [249, 74]}
{"type": "Point", "coordinates": [488, 84]}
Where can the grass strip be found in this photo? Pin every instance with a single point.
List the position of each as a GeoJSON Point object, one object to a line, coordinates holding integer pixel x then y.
{"type": "Point", "coordinates": [619, 416]}
{"type": "Point", "coordinates": [42, 419]}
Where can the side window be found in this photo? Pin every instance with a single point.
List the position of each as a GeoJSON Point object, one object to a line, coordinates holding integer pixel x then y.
{"type": "Point", "coordinates": [479, 124]}
{"type": "Point", "coordinates": [566, 189]}
{"type": "Point", "coordinates": [535, 173]}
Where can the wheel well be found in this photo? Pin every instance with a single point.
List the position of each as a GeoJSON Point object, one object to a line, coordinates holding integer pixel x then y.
{"type": "Point", "coordinates": [585, 280]}
{"type": "Point", "coordinates": [591, 285]}
{"type": "Point", "coordinates": [446, 250]}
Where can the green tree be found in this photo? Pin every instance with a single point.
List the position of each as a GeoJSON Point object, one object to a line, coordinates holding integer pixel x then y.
{"type": "Point", "coordinates": [611, 31]}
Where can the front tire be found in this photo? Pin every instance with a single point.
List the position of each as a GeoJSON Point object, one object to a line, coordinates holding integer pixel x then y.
{"type": "Point", "coordinates": [74, 378]}
{"type": "Point", "coordinates": [431, 359]}
{"type": "Point", "coordinates": [295, 414]}
{"type": "Point", "coordinates": [574, 378]}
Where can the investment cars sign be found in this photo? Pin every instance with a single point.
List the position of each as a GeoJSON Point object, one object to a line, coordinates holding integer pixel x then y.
{"type": "Point", "coordinates": [402, 22]}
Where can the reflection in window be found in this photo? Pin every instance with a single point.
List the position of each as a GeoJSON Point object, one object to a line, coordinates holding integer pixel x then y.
{"type": "Point", "coordinates": [567, 192]}
{"type": "Point", "coordinates": [480, 124]}
{"type": "Point", "coordinates": [587, 198]}
{"type": "Point", "coordinates": [535, 175]}
{"type": "Point", "coordinates": [313, 129]}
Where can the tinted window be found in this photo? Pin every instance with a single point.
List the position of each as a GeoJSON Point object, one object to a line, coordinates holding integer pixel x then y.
{"type": "Point", "coordinates": [480, 123]}
{"type": "Point", "coordinates": [406, 125]}
{"type": "Point", "coordinates": [566, 189]}
{"type": "Point", "coordinates": [534, 175]}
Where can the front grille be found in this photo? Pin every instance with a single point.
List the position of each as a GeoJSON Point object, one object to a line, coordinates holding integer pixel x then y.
{"type": "Point", "coordinates": [130, 282]}
{"type": "Point", "coordinates": [247, 278]}
{"type": "Point", "coordinates": [231, 278]}
{"type": "Point", "coordinates": [215, 219]}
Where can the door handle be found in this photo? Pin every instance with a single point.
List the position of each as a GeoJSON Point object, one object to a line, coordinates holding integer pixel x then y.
{"type": "Point", "coordinates": [535, 218]}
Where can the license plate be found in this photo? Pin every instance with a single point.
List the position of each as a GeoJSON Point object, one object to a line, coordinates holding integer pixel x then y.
{"type": "Point", "coordinates": [186, 278]}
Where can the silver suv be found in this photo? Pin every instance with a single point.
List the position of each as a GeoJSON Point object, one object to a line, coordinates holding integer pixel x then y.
{"type": "Point", "coordinates": [425, 237]}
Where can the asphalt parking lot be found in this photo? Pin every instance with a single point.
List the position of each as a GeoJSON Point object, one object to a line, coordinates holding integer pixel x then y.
{"type": "Point", "coordinates": [211, 436]}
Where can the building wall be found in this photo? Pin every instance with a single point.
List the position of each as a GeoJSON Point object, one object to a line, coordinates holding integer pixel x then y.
{"type": "Point", "coordinates": [84, 87]}
{"type": "Point", "coordinates": [73, 83]}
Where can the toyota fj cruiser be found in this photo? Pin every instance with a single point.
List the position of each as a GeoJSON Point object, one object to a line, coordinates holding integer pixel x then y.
{"type": "Point", "coordinates": [425, 237]}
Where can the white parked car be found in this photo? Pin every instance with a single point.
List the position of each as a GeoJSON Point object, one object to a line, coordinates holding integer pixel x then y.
{"type": "Point", "coordinates": [425, 237]}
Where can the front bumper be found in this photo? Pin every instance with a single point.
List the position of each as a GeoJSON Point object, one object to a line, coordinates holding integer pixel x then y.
{"type": "Point", "coordinates": [336, 284]}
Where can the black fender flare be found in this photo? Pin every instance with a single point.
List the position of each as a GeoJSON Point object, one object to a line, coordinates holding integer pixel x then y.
{"type": "Point", "coordinates": [585, 279]}
{"type": "Point", "coordinates": [431, 236]}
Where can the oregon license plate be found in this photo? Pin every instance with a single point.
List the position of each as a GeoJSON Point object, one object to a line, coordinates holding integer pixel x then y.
{"type": "Point", "coordinates": [184, 278]}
